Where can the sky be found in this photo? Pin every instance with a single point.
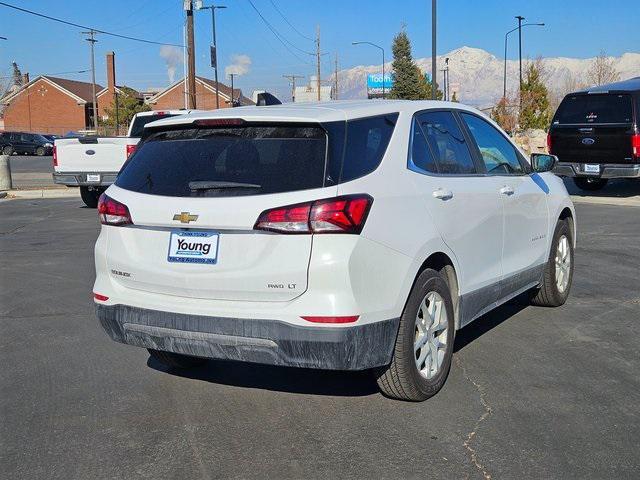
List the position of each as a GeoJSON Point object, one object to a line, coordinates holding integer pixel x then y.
{"type": "Point", "coordinates": [574, 28]}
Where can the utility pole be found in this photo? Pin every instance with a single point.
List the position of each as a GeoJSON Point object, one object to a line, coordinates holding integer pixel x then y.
{"type": "Point", "coordinates": [191, 58]}
{"type": "Point", "coordinates": [433, 50]}
{"type": "Point", "coordinates": [318, 58]}
{"type": "Point", "coordinates": [292, 79]}
{"type": "Point", "coordinates": [92, 40]}
{"type": "Point", "coordinates": [520, 18]}
{"type": "Point", "coordinates": [214, 47]}
{"type": "Point", "coordinates": [231, 75]}
{"type": "Point", "coordinates": [335, 94]}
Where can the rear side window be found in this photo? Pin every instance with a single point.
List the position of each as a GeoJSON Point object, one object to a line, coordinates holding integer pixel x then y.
{"type": "Point", "coordinates": [229, 161]}
{"type": "Point", "coordinates": [594, 108]}
{"type": "Point", "coordinates": [366, 143]}
{"type": "Point", "coordinates": [447, 143]}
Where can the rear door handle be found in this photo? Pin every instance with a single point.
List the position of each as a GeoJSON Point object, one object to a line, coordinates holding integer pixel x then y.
{"type": "Point", "coordinates": [506, 190]}
{"type": "Point", "coordinates": [443, 194]}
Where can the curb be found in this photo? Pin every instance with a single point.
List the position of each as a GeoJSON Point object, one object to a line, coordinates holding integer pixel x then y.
{"type": "Point", "coordinates": [623, 202]}
{"type": "Point", "coordinates": [42, 193]}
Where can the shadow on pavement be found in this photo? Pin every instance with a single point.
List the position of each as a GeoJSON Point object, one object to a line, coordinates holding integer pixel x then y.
{"type": "Point", "coordinates": [323, 382]}
{"type": "Point", "coordinates": [279, 379]}
{"type": "Point", "coordinates": [489, 321]}
{"type": "Point", "coordinates": [617, 188]}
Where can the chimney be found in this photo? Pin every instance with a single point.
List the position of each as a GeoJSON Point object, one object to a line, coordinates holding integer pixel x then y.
{"type": "Point", "coordinates": [111, 72]}
{"type": "Point", "coordinates": [25, 78]}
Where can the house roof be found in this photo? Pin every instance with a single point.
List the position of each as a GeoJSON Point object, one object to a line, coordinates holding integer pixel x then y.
{"type": "Point", "coordinates": [82, 92]}
{"type": "Point", "coordinates": [119, 88]}
{"type": "Point", "coordinates": [224, 90]}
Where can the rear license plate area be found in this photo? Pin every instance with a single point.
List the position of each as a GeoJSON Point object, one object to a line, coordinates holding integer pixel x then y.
{"type": "Point", "coordinates": [193, 247]}
{"type": "Point", "coordinates": [593, 169]}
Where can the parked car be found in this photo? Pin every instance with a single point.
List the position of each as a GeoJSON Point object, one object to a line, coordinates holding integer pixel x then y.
{"type": "Point", "coordinates": [595, 134]}
{"type": "Point", "coordinates": [25, 143]}
{"type": "Point", "coordinates": [346, 236]}
{"type": "Point", "coordinates": [92, 163]}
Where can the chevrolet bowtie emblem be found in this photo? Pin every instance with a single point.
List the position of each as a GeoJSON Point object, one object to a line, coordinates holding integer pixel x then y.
{"type": "Point", "coordinates": [185, 217]}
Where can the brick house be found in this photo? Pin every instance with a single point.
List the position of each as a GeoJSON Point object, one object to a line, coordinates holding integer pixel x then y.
{"type": "Point", "coordinates": [49, 104]}
{"type": "Point", "coordinates": [173, 97]}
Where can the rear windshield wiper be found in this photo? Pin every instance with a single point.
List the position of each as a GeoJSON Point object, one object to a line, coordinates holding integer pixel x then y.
{"type": "Point", "coordinates": [212, 185]}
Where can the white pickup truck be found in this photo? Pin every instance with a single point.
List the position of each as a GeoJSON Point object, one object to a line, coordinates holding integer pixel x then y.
{"type": "Point", "coordinates": [92, 163]}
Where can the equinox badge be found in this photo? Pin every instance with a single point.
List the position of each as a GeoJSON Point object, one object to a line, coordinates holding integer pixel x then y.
{"type": "Point", "coordinates": [185, 217]}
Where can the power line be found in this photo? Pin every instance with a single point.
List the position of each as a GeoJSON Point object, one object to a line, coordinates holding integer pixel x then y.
{"type": "Point", "coordinates": [70, 72]}
{"type": "Point", "coordinates": [280, 37]}
{"type": "Point", "coordinates": [289, 23]}
{"type": "Point", "coordinates": [96, 30]}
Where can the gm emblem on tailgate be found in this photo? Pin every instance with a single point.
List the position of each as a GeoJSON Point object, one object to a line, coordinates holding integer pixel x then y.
{"type": "Point", "coordinates": [588, 141]}
{"type": "Point", "coordinates": [185, 217]}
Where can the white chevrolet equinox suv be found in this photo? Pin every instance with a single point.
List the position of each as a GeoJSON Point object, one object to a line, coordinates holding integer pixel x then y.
{"type": "Point", "coordinates": [343, 235]}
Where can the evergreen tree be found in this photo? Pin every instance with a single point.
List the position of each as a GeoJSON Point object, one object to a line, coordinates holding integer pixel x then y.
{"type": "Point", "coordinates": [426, 94]}
{"type": "Point", "coordinates": [535, 111]}
{"type": "Point", "coordinates": [408, 82]}
{"type": "Point", "coordinates": [128, 105]}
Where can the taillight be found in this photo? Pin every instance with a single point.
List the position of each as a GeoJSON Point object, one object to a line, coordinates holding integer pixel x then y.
{"type": "Point", "coordinates": [100, 298]}
{"type": "Point", "coordinates": [345, 214]}
{"type": "Point", "coordinates": [55, 156]}
{"type": "Point", "coordinates": [549, 143]}
{"type": "Point", "coordinates": [112, 212]}
{"type": "Point", "coordinates": [635, 145]}
{"type": "Point", "coordinates": [130, 150]}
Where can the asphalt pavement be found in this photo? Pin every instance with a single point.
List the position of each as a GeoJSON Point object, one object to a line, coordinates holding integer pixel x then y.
{"type": "Point", "coordinates": [533, 392]}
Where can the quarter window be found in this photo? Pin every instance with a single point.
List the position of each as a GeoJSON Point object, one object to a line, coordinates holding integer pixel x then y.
{"type": "Point", "coordinates": [421, 156]}
{"type": "Point", "coordinates": [447, 143]}
{"type": "Point", "coordinates": [498, 154]}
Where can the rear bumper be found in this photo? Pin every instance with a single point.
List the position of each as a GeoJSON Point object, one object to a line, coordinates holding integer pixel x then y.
{"type": "Point", "coordinates": [252, 340]}
{"type": "Point", "coordinates": [79, 179]}
{"type": "Point", "coordinates": [612, 170]}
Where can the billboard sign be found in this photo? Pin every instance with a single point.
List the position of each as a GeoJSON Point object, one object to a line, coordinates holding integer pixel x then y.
{"type": "Point", "coordinates": [375, 82]}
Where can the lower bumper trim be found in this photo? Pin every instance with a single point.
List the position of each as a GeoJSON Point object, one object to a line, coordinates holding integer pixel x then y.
{"type": "Point", "coordinates": [612, 170]}
{"type": "Point", "coordinates": [74, 179]}
{"type": "Point", "coordinates": [252, 340]}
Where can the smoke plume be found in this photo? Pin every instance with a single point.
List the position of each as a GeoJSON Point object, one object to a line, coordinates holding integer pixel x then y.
{"type": "Point", "coordinates": [240, 65]}
{"type": "Point", "coordinates": [173, 58]}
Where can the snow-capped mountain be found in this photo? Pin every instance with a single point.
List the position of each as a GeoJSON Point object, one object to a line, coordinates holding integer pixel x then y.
{"type": "Point", "coordinates": [477, 75]}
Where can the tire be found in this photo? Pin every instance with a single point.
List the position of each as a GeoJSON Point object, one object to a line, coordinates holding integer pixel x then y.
{"type": "Point", "coordinates": [590, 184]}
{"type": "Point", "coordinates": [552, 292]}
{"type": "Point", "coordinates": [7, 150]}
{"type": "Point", "coordinates": [40, 151]}
{"type": "Point", "coordinates": [401, 379]}
{"type": "Point", "coordinates": [176, 360]}
{"type": "Point", "coordinates": [90, 197]}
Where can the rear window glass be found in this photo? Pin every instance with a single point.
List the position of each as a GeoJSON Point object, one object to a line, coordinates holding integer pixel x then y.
{"type": "Point", "coordinates": [447, 143]}
{"type": "Point", "coordinates": [141, 120]}
{"type": "Point", "coordinates": [594, 108]}
{"type": "Point", "coordinates": [230, 161]}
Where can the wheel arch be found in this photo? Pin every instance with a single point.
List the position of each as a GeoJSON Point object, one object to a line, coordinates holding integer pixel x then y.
{"type": "Point", "coordinates": [568, 215]}
{"type": "Point", "coordinates": [443, 263]}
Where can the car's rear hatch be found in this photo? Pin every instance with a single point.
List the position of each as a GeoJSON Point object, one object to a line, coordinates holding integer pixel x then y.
{"type": "Point", "coordinates": [593, 128]}
{"type": "Point", "coordinates": [208, 186]}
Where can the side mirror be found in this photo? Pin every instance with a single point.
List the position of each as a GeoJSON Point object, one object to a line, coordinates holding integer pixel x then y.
{"type": "Point", "coordinates": [541, 162]}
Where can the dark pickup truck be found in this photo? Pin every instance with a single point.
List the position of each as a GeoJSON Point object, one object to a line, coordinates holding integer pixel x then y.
{"type": "Point", "coordinates": [595, 134]}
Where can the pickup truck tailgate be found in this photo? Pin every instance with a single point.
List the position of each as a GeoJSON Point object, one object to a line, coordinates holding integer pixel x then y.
{"type": "Point", "coordinates": [102, 154]}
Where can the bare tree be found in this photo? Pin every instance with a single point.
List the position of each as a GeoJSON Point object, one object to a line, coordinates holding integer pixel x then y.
{"type": "Point", "coordinates": [602, 70]}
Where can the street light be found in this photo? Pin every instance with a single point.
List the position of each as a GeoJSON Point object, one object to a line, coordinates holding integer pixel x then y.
{"type": "Point", "coordinates": [506, 35]}
{"type": "Point", "coordinates": [214, 49]}
{"type": "Point", "coordinates": [382, 50]}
